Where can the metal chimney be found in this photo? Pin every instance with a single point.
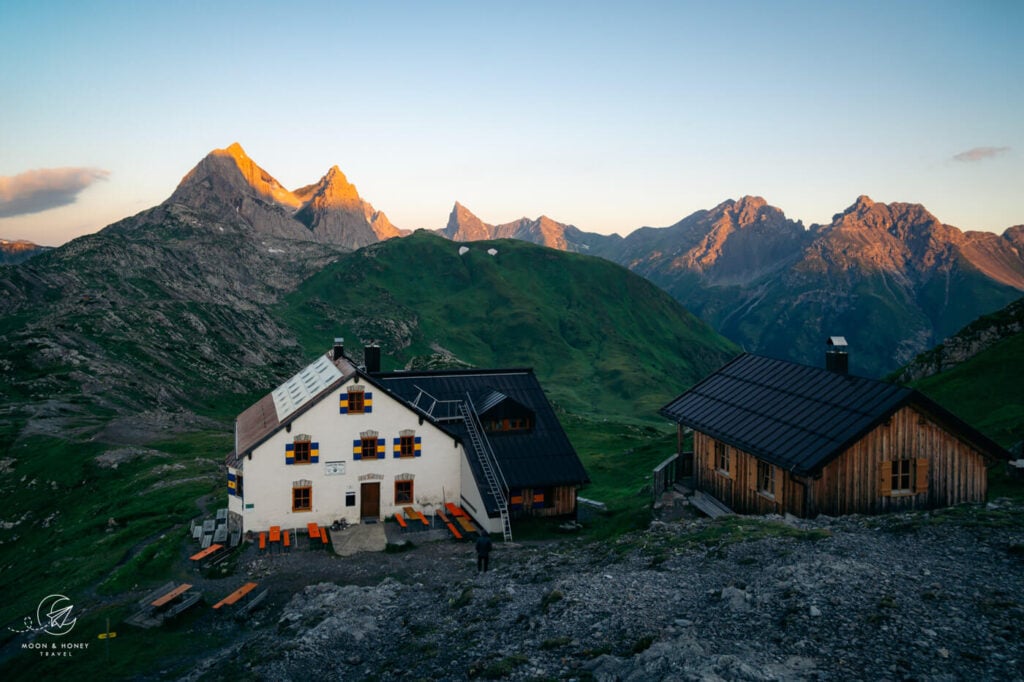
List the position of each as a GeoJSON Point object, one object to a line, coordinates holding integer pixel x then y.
{"type": "Point", "coordinates": [837, 358]}
{"type": "Point", "coordinates": [371, 357]}
{"type": "Point", "coordinates": [339, 348]}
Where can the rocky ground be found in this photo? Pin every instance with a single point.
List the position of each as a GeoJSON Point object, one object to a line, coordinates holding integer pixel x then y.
{"type": "Point", "coordinates": [924, 596]}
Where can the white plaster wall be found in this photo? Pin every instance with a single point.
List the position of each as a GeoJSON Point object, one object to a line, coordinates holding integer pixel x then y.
{"type": "Point", "coordinates": [472, 500]}
{"type": "Point", "coordinates": [268, 480]}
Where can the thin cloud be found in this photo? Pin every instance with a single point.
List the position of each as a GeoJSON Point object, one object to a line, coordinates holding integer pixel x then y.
{"type": "Point", "coordinates": [980, 153]}
{"type": "Point", "coordinates": [40, 190]}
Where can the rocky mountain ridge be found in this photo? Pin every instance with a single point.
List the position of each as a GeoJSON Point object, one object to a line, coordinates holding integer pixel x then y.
{"type": "Point", "coordinates": [231, 187]}
{"type": "Point", "coordinates": [17, 251]}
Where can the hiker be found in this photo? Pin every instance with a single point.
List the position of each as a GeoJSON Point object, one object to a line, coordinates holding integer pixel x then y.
{"type": "Point", "coordinates": [483, 551]}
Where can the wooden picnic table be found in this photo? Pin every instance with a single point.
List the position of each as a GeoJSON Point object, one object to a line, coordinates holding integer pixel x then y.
{"type": "Point", "coordinates": [236, 595]}
{"type": "Point", "coordinates": [202, 554]}
{"type": "Point", "coordinates": [414, 515]}
{"type": "Point", "coordinates": [314, 530]}
{"type": "Point", "coordinates": [275, 533]}
{"type": "Point", "coordinates": [172, 595]}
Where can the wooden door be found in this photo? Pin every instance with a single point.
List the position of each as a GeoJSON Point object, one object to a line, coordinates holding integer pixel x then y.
{"type": "Point", "coordinates": [369, 495]}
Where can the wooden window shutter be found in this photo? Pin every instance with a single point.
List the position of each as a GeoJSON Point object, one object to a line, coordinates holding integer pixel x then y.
{"type": "Point", "coordinates": [751, 472]}
{"type": "Point", "coordinates": [885, 478]}
{"type": "Point", "coordinates": [921, 476]}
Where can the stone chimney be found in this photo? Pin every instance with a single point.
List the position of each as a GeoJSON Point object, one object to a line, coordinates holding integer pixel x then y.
{"type": "Point", "coordinates": [339, 348]}
{"type": "Point", "coordinates": [836, 357]}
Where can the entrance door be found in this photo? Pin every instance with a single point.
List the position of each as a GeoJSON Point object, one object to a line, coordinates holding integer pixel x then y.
{"type": "Point", "coordinates": [369, 495]}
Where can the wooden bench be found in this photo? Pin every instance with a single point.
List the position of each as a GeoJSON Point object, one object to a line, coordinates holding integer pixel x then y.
{"type": "Point", "coordinates": [171, 596]}
{"type": "Point", "coordinates": [455, 531]}
{"type": "Point", "coordinates": [275, 533]}
{"type": "Point", "coordinates": [324, 536]}
{"type": "Point", "coordinates": [236, 595]}
{"type": "Point", "coordinates": [466, 524]}
{"type": "Point", "coordinates": [243, 610]}
{"type": "Point", "coordinates": [401, 522]}
{"type": "Point", "coordinates": [287, 542]}
{"type": "Point", "coordinates": [190, 600]}
{"type": "Point", "coordinates": [313, 530]}
{"type": "Point", "coordinates": [454, 510]}
{"type": "Point", "coordinates": [202, 554]}
{"type": "Point", "coordinates": [263, 541]}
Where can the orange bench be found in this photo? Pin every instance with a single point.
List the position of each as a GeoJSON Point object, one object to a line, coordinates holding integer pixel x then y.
{"type": "Point", "coordinates": [401, 521]}
{"type": "Point", "coordinates": [466, 524]}
{"type": "Point", "coordinates": [236, 595]}
{"type": "Point", "coordinates": [414, 515]}
{"type": "Point", "coordinates": [324, 536]}
{"type": "Point", "coordinates": [199, 556]}
{"type": "Point", "coordinates": [263, 541]}
{"type": "Point", "coordinates": [275, 533]}
{"type": "Point", "coordinates": [287, 539]}
{"type": "Point", "coordinates": [454, 530]}
{"type": "Point", "coordinates": [313, 529]}
{"type": "Point", "coordinates": [172, 595]}
{"type": "Point", "coordinates": [454, 510]}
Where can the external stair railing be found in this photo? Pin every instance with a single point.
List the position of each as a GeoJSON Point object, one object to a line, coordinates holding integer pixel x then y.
{"type": "Point", "coordinates": [488, 464]}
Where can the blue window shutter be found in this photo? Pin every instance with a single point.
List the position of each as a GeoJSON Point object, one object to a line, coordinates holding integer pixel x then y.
{"type": "Point", "coordinates": [368, 402]}
{"type": "Point", "coordinates": [231, 484]}
{"type": "Point", "coordinates": [357, 449]}
{"type": "Point", "coordinates": [381, 448]}
{"type": "Point", "coordinates": [417, 447]}
{"type": "Point", "coordinates": [398, 448]}
{"type": "Point", "coordinates": [289, 453]}
{"type": "Point", "coordinates": [314, 453]}
{"type": "Point", "coordinates": [343, 403]}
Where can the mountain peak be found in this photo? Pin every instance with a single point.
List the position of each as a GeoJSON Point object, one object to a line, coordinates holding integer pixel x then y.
{"type": "Point", "coordinates": [336, 189]}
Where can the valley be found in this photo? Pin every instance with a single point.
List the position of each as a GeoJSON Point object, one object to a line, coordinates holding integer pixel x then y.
{"type": "Point", "coordinates": [126, 355]}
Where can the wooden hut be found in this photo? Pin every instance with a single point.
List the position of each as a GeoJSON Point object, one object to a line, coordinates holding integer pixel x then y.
{"type": "Point", "coordinates": [771, 436]}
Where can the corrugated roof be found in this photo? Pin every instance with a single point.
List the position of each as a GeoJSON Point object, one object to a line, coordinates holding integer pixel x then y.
{"type": "Point", "coordinates": [300, 389]}
{"type": "Point", "coordinates": [794, 416]}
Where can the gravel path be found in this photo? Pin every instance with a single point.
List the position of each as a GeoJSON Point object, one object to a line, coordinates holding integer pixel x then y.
{"type": "Point", "coordinates": [926, 596]}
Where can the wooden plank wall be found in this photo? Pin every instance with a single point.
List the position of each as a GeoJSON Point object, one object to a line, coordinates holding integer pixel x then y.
{"type": "Point", "coordinates": [956, 471]}
{"type": "Point", "coordinates": [564, 502]}
{"type": "Point", "coordinates": [850, 484]}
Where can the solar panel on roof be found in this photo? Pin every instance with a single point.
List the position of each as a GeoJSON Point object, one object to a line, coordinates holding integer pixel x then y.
{"type": "Point", "coordinates": [296, 392]}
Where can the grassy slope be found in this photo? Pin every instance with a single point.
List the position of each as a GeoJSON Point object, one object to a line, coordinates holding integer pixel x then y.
{"type": "Point", "coordinates": [602, 340]}
{"type": "Point", "coordinates": [986, 390]}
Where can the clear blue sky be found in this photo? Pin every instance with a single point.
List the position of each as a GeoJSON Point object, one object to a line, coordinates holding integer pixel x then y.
{"type": "Point", "coordinates": [609, 116]}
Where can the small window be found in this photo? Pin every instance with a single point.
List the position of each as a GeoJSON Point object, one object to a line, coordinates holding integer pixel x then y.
{"type": "Point", "coordinates": [356, 401]}
{"type": "Point", "coordinates": [403, 492]}
{"type": "Point", "coordinates": [302, 450]}
{"type": "Point", "coordinates": [302, 498]}
{"type": "Point", "coordinates": [369, 447]}
{"type": "Point", "coordinates": [902, 475]}
{"type": "Point", "coordinates": [238, 486]}
{"type": "Point", "coordinates": [350, 498]}
{"type": "Point", "coordinates": [407, 446]}
{"type": "Point", "coordinates": [722, 458]}
{"type": "Point", "coordinates": [766, 479]}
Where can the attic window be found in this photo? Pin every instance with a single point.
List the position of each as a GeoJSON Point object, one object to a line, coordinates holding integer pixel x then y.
{"type": "Point", "coordinates": [356, 400]}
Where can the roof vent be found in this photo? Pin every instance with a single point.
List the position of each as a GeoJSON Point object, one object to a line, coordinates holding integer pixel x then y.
{"type": "Point", "coordinates": [837, 358]}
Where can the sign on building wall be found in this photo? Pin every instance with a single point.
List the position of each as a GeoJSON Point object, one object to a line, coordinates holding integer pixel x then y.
{"type": "Point", "coordinates": [334, 468]}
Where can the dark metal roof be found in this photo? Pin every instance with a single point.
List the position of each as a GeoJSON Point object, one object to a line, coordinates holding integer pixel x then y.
{"type": "Point", "coordinates": [794, 416]}
{"type": "Point", "coordinates": [539, 456]}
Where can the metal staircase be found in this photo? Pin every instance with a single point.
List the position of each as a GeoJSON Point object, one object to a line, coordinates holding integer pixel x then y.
{"type": "Point", "coordinates": [455, 410]}
{"type": "Point", "coordinates": [485, 455]}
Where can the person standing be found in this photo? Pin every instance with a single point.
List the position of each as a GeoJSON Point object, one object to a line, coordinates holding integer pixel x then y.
{"type": "Point", "coordinates": [483, 551]}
